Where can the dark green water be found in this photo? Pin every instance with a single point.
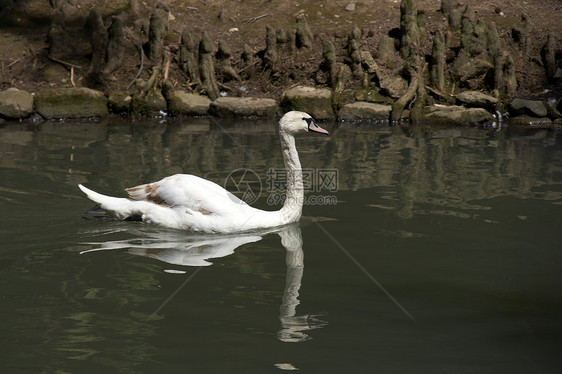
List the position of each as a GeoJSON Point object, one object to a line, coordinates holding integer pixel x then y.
{"type": "Point", "coordinates": [442, 254]}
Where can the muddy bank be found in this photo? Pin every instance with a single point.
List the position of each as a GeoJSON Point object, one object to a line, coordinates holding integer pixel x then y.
{"type": "Point", "coordinates": [461, 63]}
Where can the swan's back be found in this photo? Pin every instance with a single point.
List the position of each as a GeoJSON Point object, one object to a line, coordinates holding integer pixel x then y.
{"type": "Point", "coordinates": [188, 191]}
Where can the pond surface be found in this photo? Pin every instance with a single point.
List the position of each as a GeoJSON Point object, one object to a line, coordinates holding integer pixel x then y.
{"type": "Point", "coordinates": [440, 253]}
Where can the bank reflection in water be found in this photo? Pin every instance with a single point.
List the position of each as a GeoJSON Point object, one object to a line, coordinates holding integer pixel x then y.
{"type": "Point", "coordinates": [177, 248]}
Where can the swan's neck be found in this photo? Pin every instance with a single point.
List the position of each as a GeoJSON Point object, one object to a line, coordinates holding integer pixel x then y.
{"type": "Point", "coordinates": [292, 208]}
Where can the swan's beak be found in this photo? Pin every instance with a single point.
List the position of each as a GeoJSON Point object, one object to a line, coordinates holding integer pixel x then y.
{"type": "Point", "coordinates": [315, 128]}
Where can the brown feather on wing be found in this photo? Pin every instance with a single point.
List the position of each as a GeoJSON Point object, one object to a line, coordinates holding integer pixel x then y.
{"type": "Point", "coordinates": [148, 192]}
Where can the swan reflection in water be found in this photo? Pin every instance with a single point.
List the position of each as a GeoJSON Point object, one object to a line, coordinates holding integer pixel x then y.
{"type": "Point", "coordinates": [177, 248]}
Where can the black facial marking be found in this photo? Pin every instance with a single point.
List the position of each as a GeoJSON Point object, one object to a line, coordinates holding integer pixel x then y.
{"type": "Point", "coordinates": [309, 121]}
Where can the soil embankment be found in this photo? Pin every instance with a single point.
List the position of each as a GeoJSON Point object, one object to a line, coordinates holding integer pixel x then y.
{"type": "Point", "coordinates": [407, 55]}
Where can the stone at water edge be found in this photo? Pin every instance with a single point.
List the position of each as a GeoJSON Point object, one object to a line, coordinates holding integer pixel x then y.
{"type": "Point", "coordinates": [15, 104]}
{"type": "Point", "coordinates": [244, 107]}
{"type": "Point", "coordinates": [315, 101]}
{"type": "Point", "coordinates": [70, 103]}
{"type": "Point", "coordinates": [364, 111]}
{"type": "Point", "coordinates": [530, 121]}
{"type": "Point", "coordinates": [534, 108]}
{"type": "Point", "coordinates": [477, 99]}
{"type": "Point", "coordinates": [119, 102]}
{"type": "Point", "coordinates": [458, 114]}
{"type": "Point", "coordinates": [152, 104]}
{"type": "Point", "coordinates": [182, 102]}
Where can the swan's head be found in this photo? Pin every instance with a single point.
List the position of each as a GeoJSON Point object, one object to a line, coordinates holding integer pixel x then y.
{"type": "Point", "coordinates": [295, 122]}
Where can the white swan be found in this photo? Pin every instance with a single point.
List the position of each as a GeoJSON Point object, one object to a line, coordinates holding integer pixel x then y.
{"type": "Point", "coordinates": [191, 203]}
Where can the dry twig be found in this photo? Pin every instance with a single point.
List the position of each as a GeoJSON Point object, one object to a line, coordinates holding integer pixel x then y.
{"type": "Point", "coordinates": [63, 62]}
{"type": "Point", "coordinates": [72, 76]}
{"type": "Point", "coordinates": [15, 62]}
{"type": "Point", "coordinates": [254, 19]}
{"type": "Point", "coordinates": [438, 93]}
{"type": "Point", "coordinates": [166, 66]}
{"type": "Point", "coordinates": [139, 47]}
{"type": "Point", "coordinates": [224, 86]}
{"type": "Point", "coordinates": [249, 66]}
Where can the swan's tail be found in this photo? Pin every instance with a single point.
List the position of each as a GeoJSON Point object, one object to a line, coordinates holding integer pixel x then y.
{"type": "Point", "coordinates": [117, 207]}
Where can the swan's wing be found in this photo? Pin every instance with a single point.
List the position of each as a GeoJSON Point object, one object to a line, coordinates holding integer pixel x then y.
{"type": "Point", "coordinates": [189, 191]}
